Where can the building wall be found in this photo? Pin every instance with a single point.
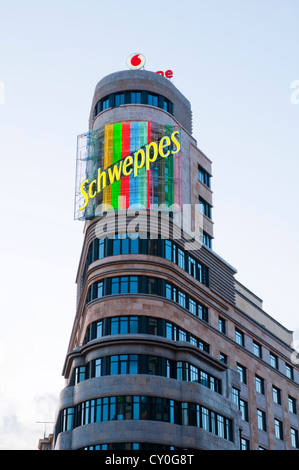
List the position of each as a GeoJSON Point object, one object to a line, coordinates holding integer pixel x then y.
{"type": "Point", "coordinates": [224, 297]}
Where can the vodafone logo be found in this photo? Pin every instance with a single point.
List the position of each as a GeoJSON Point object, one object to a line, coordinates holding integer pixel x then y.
{"type": "Point", "coordinates": [135, 61]}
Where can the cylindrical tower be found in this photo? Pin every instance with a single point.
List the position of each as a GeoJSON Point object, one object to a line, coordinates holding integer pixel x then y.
{"type": "Point", "coordinates": [140, 373]}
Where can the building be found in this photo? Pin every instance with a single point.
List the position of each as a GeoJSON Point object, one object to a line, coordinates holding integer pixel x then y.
{"type": "Point", "coordinates": [168, 350]}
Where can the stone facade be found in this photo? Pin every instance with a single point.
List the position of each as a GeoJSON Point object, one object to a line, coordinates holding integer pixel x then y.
{"type": "Point", "coordinates": [224, 298]}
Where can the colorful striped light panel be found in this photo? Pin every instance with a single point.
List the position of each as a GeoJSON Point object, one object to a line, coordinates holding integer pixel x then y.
{"type": "Point", "coordinates": [102, 148]}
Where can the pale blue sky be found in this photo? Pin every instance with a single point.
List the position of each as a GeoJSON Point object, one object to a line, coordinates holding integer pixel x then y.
{"type": "Point", "coordinates": [235, 61]}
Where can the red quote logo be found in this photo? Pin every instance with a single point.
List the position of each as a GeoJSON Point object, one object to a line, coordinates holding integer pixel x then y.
{"type": "Point", "coordinates": [135, 61]}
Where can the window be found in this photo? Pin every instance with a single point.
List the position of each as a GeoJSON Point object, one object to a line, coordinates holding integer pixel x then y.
{"type": "Point", "coordinates": [133, 97]}
{"type": "Point", "coordinates": [239, 337]}
{"type": "Point", "coordinates": [294, 438]}
{"type": "Point", "coordinates": [119, 99]}
{"type": "Point", "coordinates": [205, 207]}
{"type": "Point", "coordinates": [244, 409]}
{"type": "Point", "coordinates": [220, 426]}
{"type": "Point", "coordinates": [221, 325]}
{"type": "Point", "coordinates": [207, 240]}
{"type": "Point", "coordinates": [276, 395]}
{"type": "Point", "coordinates": [152, 100]}
{"type": "Point", "coordinates": [236, 396]}
{"type": "Point", "coordinates": [181, 258]}
{"type": "Point", "coordinates": [244, 444]}
{"type": "Point", "coordinates": [168, 250]}
{"type": "Point", "coordinates": [101, 248]}
{"type": "Point", "coordinates": [192, 306]}
{"type": "Point", "coordinates": [145, 408]}
{"type": "Point", "coordinates": [259, 385]}
{"type": "Point", "coordinates": [202, 312]}
{"type": "Point", "coordinates": [136, 97]}
{"type": "Point", "coordinates": [203, 176]}
{"type": "Point", "coordinates": [79, 374]}
{"type": "Point", "coordinates": [261, 420]}
{"type": "Point", "coordinates": [257, 349]}
{"type": "Point", "coordinates": [274, 360]}
{"type": "Point", "coordinates": [115, 285]}
{"type": "Point", "coordinates": [289, 372]}
{"type": "Point", "coordinates": [192, 266]}
{"type": "Point", "coordinates": [292, 404]}
{"type": "Point", "coordinates": [223, 358]}
{"type": "Point", "coordinates": [100, 291]}
{"type": "Point", "coordinates": [182, 299]}
{"type": "Point", "coordinates": [128, 244]}
{"type": "Point", "coordinates": [98, 367]}
{"type": "Point", "coordinates": [68, 419]}
{"type": "Point", "coordinates": [205, 418]}
{"type": "Point", "coordinates": [242, 371]}
{"type": "Point", "coordinates": [278, 429]}
{"type": "Point", "coordinates": [193, 373]}
{"type": "Point", "coordinates": [105, 104]}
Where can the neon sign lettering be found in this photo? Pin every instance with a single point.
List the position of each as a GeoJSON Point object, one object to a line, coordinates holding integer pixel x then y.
{"type": "Point", "coordinates": [131, 164]}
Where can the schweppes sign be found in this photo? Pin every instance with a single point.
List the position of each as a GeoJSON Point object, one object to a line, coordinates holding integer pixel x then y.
{"type": "Point", "coordinates": [134, 161]}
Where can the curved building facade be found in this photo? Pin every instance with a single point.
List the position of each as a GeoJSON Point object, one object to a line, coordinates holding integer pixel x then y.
{"type": "Point", "coordinates": [153, 361]}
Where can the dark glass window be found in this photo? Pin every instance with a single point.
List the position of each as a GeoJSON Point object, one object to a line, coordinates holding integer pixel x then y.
{"type": "Point", "coordinates": [242, 371]}
{"type": "Point", "coordinates": [259, 385]}
{"type": "Point", "coordinates": [101, 248]}
{"type": "Point", "coordinates": [144, 407]}
{"type": "Point", "coordinates": [115, 285]}
{"type": "Point", "coordinates": [257, 349]}
{"type": "Point", "coordinates": [152, 100]}
{"type": "Point", "coordinates": [221, 325]}
{"type": "Point", "coordinates": [274, 360]}
{"type": "Point", "coordinates": [223, 358]}
{"type": "Point", "coordinates": [119, 99]}
{"type": "Point", "coordinates": [128, 244]}
{"type": "Point", "coordinates": [294, 438]}
{"type": "Point", "coordinates": [124, 285]}
{"type": "Point", "coordinates": [204, 176]}
{"type": "Point", "coordinates": [278, 428]}
{"type": "Point", "coordinates": [276, 395]}
{"type": "Point", "coordinates": [292, 405]}
{"type": "Point", "coordinates": [133, 97]}
{"type": "Point", "coordinates": [261, 420]}
{"type": "Point", "coordinates": [289, 372]}
{"type": "Point", "coordinates": [243, 407]}
{"type": "Point", "coordinates": [244, 444]}
{"type": "Point", "coordinates": [136, 97]}
{"type": "Point", "coordinates": [105, 104]}
{"type": "Point", "coordinates": [207, 240]}
{"type": "Point", "coordinates": [239, 337]}
{"type": "Point", "coordinates": [205, 208]}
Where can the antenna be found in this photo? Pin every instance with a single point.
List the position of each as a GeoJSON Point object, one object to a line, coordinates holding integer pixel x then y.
{"type": "Point", "coordinates": [45, 423]}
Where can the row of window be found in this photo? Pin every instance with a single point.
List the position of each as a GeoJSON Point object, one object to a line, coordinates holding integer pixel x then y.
{"type": "Point", "coordinates": [276, 394]}
{"type": "Point", "coordinates": [260, 388]}
{"type": "Point", "coordinates": [144, 408]}
{"type": "Point", "coordinates": [133, 97]}
{"type": "Point", "coordinates": [256, 349]}
{"type": "Point", "coordinates": [145, 364]}
{"type": "Point", "coordinates": [141, 325]}
{"type": "Point", "coordinates": [124, 244]}
{"type": "Point", "coordinates": [204, 207]}
{"type": "Point", "coordinates": [146, 285]}
{"type": "Point", "coordinates": [204, 176]}
{"type": "Point", "coordinates": [261, 415]}
{"type": "Point", "coordinates": [130, 446]}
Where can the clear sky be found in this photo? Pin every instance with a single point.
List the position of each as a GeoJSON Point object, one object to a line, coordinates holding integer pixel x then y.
{"type": "Point", "coordinates": [235, 60]}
